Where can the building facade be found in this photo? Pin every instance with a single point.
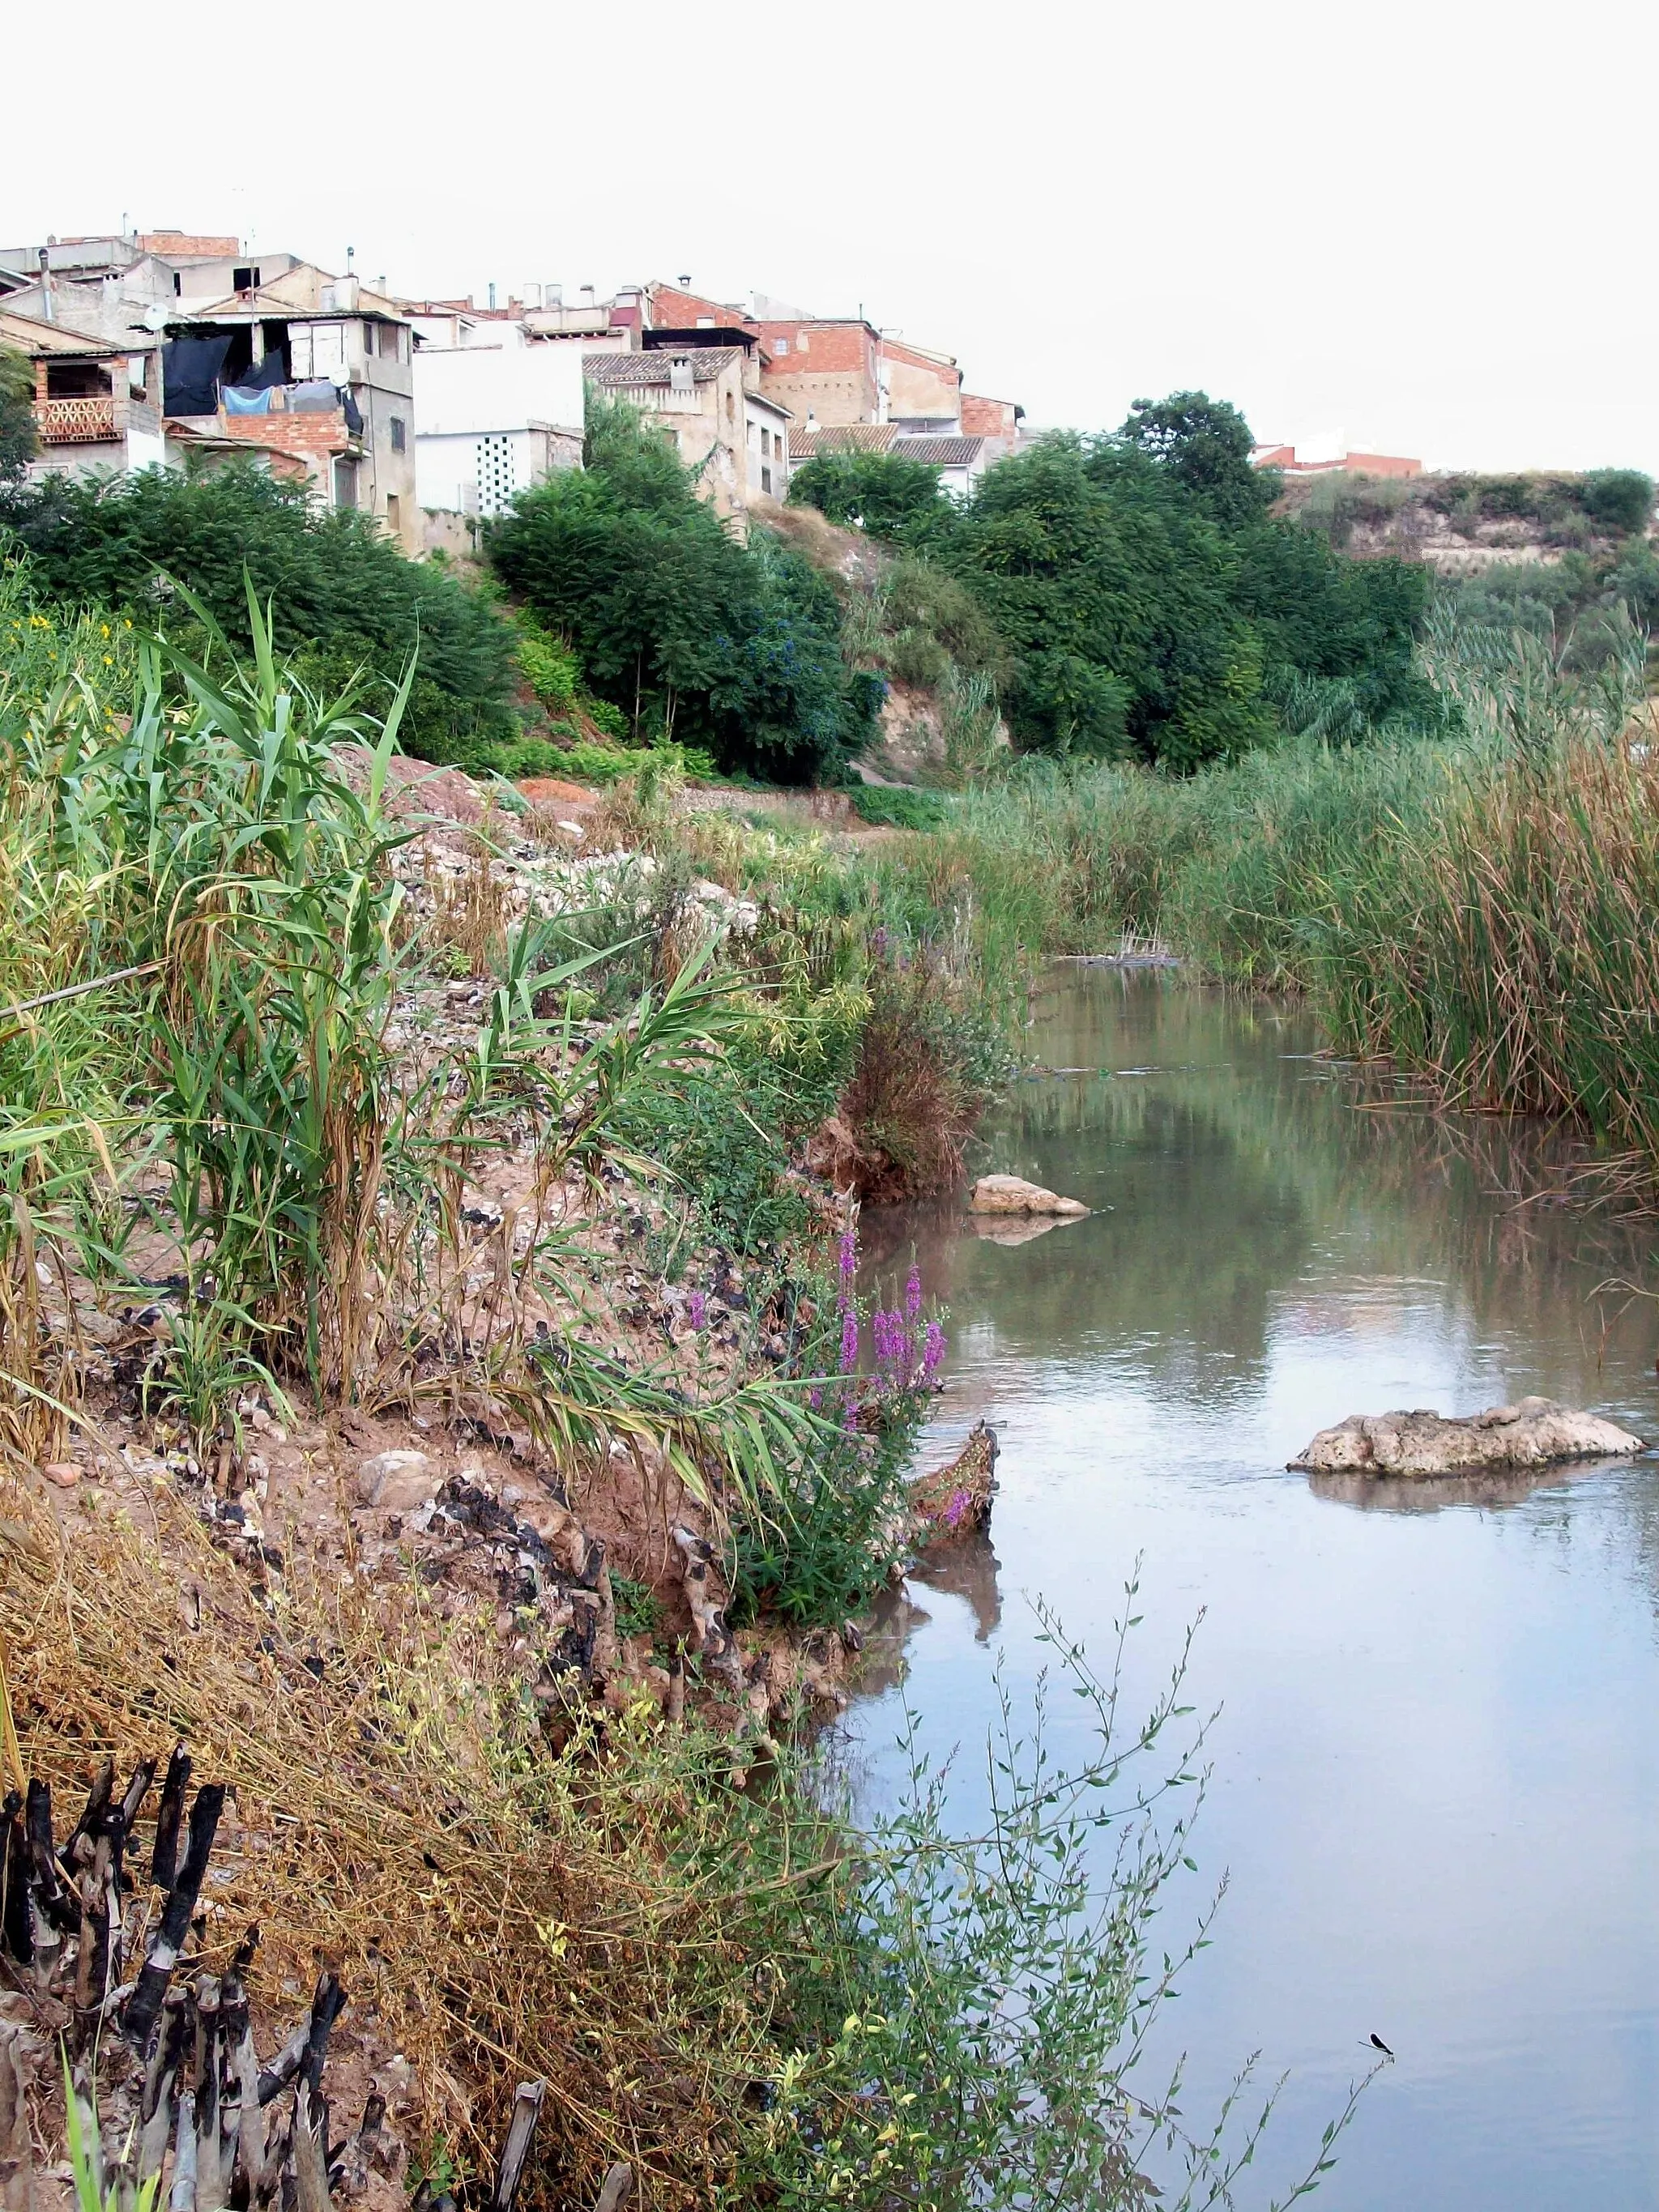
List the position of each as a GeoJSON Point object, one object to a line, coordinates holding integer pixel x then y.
{"type": "Point", "coordinates": [708, 401]}
{"type": "Point", "coordinates": [497, 409]}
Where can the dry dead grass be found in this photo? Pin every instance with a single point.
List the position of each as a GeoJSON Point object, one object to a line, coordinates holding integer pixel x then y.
{"type": "Point", "coordinates": [497, 1907]}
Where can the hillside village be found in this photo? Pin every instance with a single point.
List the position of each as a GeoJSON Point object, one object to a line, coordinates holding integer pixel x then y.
{"type": "Point", "coordinates": [429, 415]}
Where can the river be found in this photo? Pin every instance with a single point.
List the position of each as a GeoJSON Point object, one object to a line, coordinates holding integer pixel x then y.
{"type": "Point", "coordinates": [1436, 1770]}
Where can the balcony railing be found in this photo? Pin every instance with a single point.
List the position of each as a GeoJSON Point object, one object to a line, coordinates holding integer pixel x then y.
{"type": "Point", "coordinates": [75, 421]}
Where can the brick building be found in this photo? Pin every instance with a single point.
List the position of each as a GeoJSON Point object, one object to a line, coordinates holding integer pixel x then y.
{"type": "Point", "coordinates": [1284, 458]}
{"type": "Point", "coordinates": [315, 367]}
{"type": "Point", "coordinates": [96, 404]}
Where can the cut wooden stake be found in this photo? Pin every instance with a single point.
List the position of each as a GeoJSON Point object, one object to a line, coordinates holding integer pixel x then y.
{"type": "Point", "coordinates": [515, 2151]}
{"type": "Point", "coordinates": [617, 2188]}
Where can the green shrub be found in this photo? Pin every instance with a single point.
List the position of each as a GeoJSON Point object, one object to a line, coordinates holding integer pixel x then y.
{"type": "Point", "coordinates": [345, 595]}
{"type": "Point", "coordinates": [915, 657]}
{"type": "Point", "coordinates": [550, 669]}
{"type": "Point", "coordinates": [1618, 499]}
{"type": "Point", "coordinates": [923, 598]}
{"type": "Point", "coordinates": [609, 720]}
{"type": "Point", "coordinates": [885, 806]}
{"type": "Point", "coordinates": [883, 494]}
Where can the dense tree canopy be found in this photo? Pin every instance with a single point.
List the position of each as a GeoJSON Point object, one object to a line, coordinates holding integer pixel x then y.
{"type": "Point", "coordinates": [693, 635]}
{"type": "Point", "coordinates": [1150, 602]}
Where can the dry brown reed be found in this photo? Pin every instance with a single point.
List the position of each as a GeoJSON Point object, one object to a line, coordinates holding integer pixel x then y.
{"type": "Point", "coordinates": [496, 1909]}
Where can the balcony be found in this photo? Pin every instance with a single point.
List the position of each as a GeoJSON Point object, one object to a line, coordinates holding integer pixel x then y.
{"type": "Point", "coordinates": [82, 422]}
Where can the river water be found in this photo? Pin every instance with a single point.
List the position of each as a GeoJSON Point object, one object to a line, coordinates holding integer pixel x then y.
{"type": "Point", "coordinates": [1435, 1792]}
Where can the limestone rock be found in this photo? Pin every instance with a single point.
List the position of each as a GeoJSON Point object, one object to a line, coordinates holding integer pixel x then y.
{"type": "Point", "coordinates": [396, 1481]}
{"type": "Point", "coordinates": [1532, 1433]}
{"type": "Point", "coordinates": [1007, 1194]}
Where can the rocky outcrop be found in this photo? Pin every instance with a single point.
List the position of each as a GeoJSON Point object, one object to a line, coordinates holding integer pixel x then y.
{"type": "Point", "coordinates": [1007, 1194]}
{"type": "Point", "coordinates": [1532, 1433]}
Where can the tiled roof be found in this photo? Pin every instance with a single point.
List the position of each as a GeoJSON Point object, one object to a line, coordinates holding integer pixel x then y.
{"type": "Point", "coordinates": [859, 437]}
{"type": "Point", "coordinates": [640, 369]}
{"type": "Point", "coordinates": [936, 452]}
{"type": "Point", "coordinates": [941, 453]}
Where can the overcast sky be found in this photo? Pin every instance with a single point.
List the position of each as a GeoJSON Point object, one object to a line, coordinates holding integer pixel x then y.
{"type": "Point", "coordinates": [1418, 228]}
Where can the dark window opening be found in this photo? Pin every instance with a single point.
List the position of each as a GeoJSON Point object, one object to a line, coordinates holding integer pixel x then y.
{"type": "Point", "coordinates": [77, 379]}
{"type": "Point", "coordinates": [398, 446]}
{"type": "Point", "coordinates": [177, 283]}
{"type": "Point", "coordinates": [245, 280]}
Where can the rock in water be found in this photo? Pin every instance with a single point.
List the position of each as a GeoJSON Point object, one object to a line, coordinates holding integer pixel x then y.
{"type": "Point", "coordinates": [955, 1500]}
{"type": "Point", "coordinates": [1530, 1434]}
{"type": "Point", "coordinates": [1006, 1194]}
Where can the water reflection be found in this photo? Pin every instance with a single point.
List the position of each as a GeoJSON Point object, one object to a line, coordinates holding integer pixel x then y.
{"type": "Point", "coordinates": [1438, 1761]}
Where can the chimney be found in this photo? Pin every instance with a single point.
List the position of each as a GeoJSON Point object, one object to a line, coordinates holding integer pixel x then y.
{"type": "Point", "coordinates": [680, 378]}
{"type": "Point", "coordinates": [45, 286]}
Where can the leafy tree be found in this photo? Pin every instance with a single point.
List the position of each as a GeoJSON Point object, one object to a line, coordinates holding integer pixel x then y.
{"type": "Point", "coordinates": [345, 597]}
{"type": "Point", "coordinates": [887, 495]}
{"type": "Point", "coordinates": [691, 635]}
{"type": "Point", "coordinates": [17, 439]}
{"type": "Point", "coordinates": [1205, 445]}
{"type": "Point", "coordinates": [1618, 499]}
{"type": "Point", "coordinates": [1113, 589]}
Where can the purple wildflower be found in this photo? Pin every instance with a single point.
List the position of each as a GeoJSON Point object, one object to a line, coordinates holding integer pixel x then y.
{"type": "Point", "coordinates": [878, 940]}
{"type": "Point", "coordinates": [888, 1339]}
{"type": "Point", "coordinates": [815, 1397]}
{"type": "Point", "coordinates": [846, 1261]}
{"type": "Point", "coordinates": [913, 1295]}
{"type": "Point", "coordinates": [696, 1309]}
{"type": "Point", "coordinates": [956, 1505]}
{"type": "Point", "coordinates": [849, 1419]}
{"type": "Point", "coordinates": [849, 1341]}
{"type": "Point", "coordinates": [933, 1351]}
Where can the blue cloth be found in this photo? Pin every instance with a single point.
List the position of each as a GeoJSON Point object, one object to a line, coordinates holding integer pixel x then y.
{"type": "Point", "coordinates": [239, 400]}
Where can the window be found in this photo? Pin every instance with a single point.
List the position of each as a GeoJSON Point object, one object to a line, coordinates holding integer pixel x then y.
{"type": "Point", "coordinates": [766, 441]}
{"type": "Point", "coordinates": [345, 483]}
{"type": "Point", "coordinates": [803, 343]}
{"type": "Point", "coordinates": [390, 335]}
{"type": "Point", "coordinates": [394, 514]}
{"type": "Point", "coordinates": [731, 409]}
{"type": "Point", "coordinates": [782, 346]}
{"type": "Point", "coordinates": [766, 477]}
{"type": "Point", "coordinates": [177, 283]}
{"type": "Point", "coordinates": [245, 280]}
{"type": "Point", "coordinates": [397, 435]}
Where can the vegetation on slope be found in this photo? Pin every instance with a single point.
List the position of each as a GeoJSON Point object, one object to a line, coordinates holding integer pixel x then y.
{"type": "Point", "coordinates": [1148, 605]}
{"type": "Point", "coordinates": [691, 636]}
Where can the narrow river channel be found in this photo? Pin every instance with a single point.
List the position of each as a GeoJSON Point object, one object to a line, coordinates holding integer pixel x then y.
{"type": "Point", "coordinates": [1436, 1771]}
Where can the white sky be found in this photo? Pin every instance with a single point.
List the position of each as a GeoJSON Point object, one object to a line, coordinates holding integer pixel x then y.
{"type": "Point", "coordinates": [1428, 222]}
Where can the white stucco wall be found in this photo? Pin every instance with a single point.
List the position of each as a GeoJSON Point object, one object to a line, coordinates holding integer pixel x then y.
{"type": "Point", "coordinates": [483, 388]}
